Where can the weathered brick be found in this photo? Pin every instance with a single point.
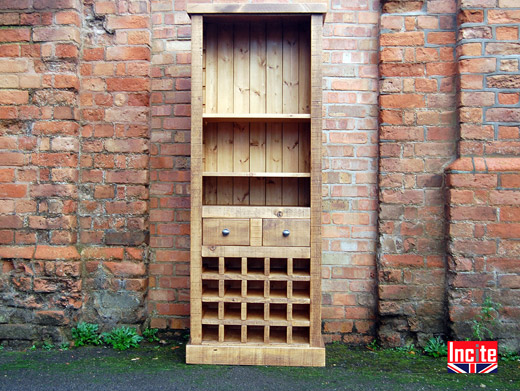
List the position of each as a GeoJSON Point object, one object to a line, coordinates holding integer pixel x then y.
{"type": "Point", "coordinates": [123, 53]}
{"type": "Point", "coordinates": [127, 22]}
{"type": "Point", "coordinates": [13, 97]}
{"type": "Point", "coordinates": [474, 213]}
{"type": "Point", "coordinates": [54, 252]}
{"type": "Point", "coordinates": [478, 65]}
{"type": "Point", "coordinates": [16, 35]}
{"type": "Point", "coordinates": [12, 190]}
{"type": "Point", "coordinates": [46, 34]}
{"type": "Point", "coordinates": [402, 39]}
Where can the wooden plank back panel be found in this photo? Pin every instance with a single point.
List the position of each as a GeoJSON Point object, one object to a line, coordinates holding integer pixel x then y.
{"type": "Point", "coordinates": [290, 105]}
{"type": "Point", "coordinates": [241, 105]}
{"type": "Point", "coordinates": [290, 163]}
{"type": "Point", "coordinates": [257, 104]}
{"type": "Point", "coordinates": [241, 163]}
{"type": "Point", "coordinates": [211, 58]}
{"type": "Point", "coordinates": [225, 69]}
{"type": "Point", "coordinates": [257, 67]}
{"type": "Point", "coordinates": [274, 67]}
{"type": "Point", "coordinates": [241, 68]}
{"type": "Point", "coordinates": [257, 163]}
{"type": "Point", "coordinates": [273, 163]}
{"type": "Point", "coordinates": [304, 68]}
{"type": "Point", "coordinates": [304, 163]}
{"type": "Point", "coordinates": [225, 163]}
{"type": "Point", "coordinates": [210, 160]}
{"type": "Point", "coordinates": [258, 63]}
{"type": "Point", "coordinates": [290, 59]}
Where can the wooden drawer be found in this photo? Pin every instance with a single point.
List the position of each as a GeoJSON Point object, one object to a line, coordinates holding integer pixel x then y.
{"type": "Point", "coordinates": [299, 232]}
{"type": "Point", "coordinates": [213, 232]}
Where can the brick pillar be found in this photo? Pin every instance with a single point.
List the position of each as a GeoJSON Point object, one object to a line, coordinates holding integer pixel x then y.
{"type": "Point", "coordinates": [113, 212]}
{"type": "Point", "coordinates": [39, 167]}
{"type": "Point", "coordinates": [349, 171]}
{"type": "Point", "coordinates": [168, 299]}
{"type": "Point", "coordinates": [417, 140]}
{"type": "Point", "coordinates": [484, 204]}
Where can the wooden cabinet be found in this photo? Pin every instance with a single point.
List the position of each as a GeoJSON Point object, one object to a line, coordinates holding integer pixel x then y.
{"type": "Point", "coordinates": [256, 184]}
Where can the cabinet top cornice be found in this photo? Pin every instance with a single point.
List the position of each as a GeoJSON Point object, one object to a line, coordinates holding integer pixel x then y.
{"type": "Point", "coordinates": [264, 8]}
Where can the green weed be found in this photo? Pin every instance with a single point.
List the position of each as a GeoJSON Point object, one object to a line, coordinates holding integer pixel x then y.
{"type": "Point", "coordinates": [485, 320]}
{"type": "Point", "coordinates": [373, 345]}
{"type": "Point", "coordinates": [436, 347]}
{"type": "Point", "coordinates": [408, 349]}
{"type": "Point", "coordinates": [48, 346]}
{"type": "Point", "coordinates": [122, 338]}
{"type": "Point", "coordinates": [151, 335]}
{"type": "Point", "coordinates": [86, 334]}
{"type": "Point", "coordinates": [509, 355]}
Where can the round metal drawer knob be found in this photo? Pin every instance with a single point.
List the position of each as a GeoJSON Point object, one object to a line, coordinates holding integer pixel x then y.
{"type": "Point", "coordinates": [286, 233]}
{"type": "Point", "coordinates": [225, 232]}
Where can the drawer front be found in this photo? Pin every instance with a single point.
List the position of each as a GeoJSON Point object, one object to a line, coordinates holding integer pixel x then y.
{"type": "Point", "coordinates": [297, 232]}
{"type": "Point", "coordinates": [225, 232]}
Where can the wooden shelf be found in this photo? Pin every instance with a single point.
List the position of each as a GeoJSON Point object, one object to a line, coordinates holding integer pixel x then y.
{"type": "Point", "coordinates": [216, 117]}
{"type": "Point", "coordinates": [258, 174]}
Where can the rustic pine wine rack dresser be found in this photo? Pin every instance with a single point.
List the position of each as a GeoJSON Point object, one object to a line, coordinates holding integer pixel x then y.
{"type": "Point", "coordinates": [256, 184]}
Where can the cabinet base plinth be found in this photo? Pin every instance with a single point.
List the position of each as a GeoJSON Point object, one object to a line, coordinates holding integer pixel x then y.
{"type": "Point", "coordinates": [220, 354]}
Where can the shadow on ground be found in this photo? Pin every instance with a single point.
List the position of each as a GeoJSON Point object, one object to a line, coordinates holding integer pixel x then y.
{"type": "Point", "coordinates": [163, 368]}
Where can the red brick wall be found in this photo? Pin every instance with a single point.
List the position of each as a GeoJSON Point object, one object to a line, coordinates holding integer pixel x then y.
{"type": "Point", "coordinates": [94, 166]}
{"type": "Point", "coordinates": [113, 212]}
{"type": "Point", "coordinates": [417, 140]}
{"type": "Point", "coordinates": [484, 183]}
{"type": "Point", "coordinates": [168, 298]}
{"type": "Point", "coordinates": [349, 171]}
{"type": "Point", "coordinates": [350, 137]}
{"type": "Point", "coordinates": [40, 165]}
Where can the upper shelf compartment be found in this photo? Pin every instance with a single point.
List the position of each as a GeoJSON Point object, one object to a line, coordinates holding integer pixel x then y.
{"type": "Point", "coordinates": [256, 69]}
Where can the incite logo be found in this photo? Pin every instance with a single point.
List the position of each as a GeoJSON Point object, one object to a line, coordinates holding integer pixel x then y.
{"type": "Point", "coordinates": [472, 356]}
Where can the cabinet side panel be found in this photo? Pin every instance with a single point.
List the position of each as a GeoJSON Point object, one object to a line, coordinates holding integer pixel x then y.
{"type": "Point", "coordinates": [196, 182]}
{"type": "Point", "coordinates": [316, 208]}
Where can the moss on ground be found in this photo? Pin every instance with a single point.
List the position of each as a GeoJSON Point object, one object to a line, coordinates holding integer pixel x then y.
{"type": "Point", "coordinates": [347, 368]}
